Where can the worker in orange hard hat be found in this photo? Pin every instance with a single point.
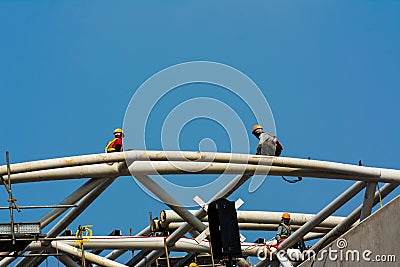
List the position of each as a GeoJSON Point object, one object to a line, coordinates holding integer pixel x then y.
{"type": "Point", "coordinates": [284, 228]}
{"type": "Point", "coordinates": [116, 145]}
{"type": "Point", "coordinates": [268, 145]}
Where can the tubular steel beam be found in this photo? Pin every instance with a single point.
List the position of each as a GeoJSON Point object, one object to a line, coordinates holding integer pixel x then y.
{"type": "Point", "coordinates": [71, 199]}
{"type": "Point", "coordinates": [82, 205]}
{"type": "Point", "coordinates": [53, 214]}
{"type": "Point", "coordinates": [63, 258]}
{"type": "Point", "coordinates": [174, 237]}
{"type": "Point", "coordinates": [72, 214]}
{"type": "Point", "coordinates": [138, 257]}
{"type": "Point", "coordinates": [170, 202]}
{"type": "Point", "coordinates": [66, 260]}
{"type": "Point", "coordinates": [88, 256]}
{"type": "Point", "coordinates": [351, 219]}
{"type": "Point", "coordinates": [185, 260]}
{"type": "Point", "coordinates": [262, 217]}
{"type": "Point", "coordinates": [161, 167]}
{"type": "Point", "coordinates": [119, 252]}
{"type": "Point", "coordinates": [143, 163]}
{"type": "Point", "coordinates": [259, 227]}
{"type": "Point", "coordinates": [140, 155]}
{"type": "Point", "coordinates": [368, 200]}
{"type": "Point", "coordinates": [144, 243]}
{"type": "Point", "coordinates": [224, 162]}
{"type": "Point", "coordinates": [192, 220]}
{"type": "Point", "coordinates": [323, 214]}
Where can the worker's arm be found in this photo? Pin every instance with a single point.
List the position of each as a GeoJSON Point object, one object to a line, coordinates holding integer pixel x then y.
{"type": "Point", "coordinates": [278, 147]}
{"type": "Point", "coordinates": [278, 233]}
{"type": "Point", "coordinates": [258, 152]}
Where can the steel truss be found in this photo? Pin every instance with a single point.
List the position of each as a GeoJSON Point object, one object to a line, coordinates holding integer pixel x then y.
{"type": "Point", "coordinates": [103, 169]}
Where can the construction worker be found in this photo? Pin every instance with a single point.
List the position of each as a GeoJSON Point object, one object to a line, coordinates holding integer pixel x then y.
{"type": "Point", "coordinates": [115, 145]}
{"type": "Point", "coordinates": [268, 144]}
{"type": "Point", "coordinates": [284, 228]}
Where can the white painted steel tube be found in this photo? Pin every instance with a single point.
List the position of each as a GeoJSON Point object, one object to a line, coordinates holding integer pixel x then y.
{"type": "Point", "coordinates": [72, 214]}
{"type": "Point", "coordinates": [71, 199]}
{"type": "Point", "coordinates": [359, 172]}
{"type": "Point", "coordinates": [352, 218]}
{"type": "Point", "coordinates": [140, 168]}
{"type": "Point", "coordinates": [162, 167]}
{"type": "Point", "coordinates": [89, 256]}
{"type": "Point", "coordinates": [144, 243]}
{"type": "Point", "coordinates": [191, 220]}
{"type": "Point", "coordinates": [87, 171]}
{"type": "Point", "coordinates": [224, 192]}
{"type": "Point", "coordinates": [140, 155]}
{"type": "Point", "coordinates": [171, 202]}
{"type": "Point", "coordinates": [64, 258]}
{"type": "Point", "coordinates": [119, 252]}
{"type": "Point", "coordinates": [136, 155]}
{"type": "Point", "coordinates": [284, 260]}
{"type": "Point", "coordinates": [312, 236]}
{"type": "Point", "coordinates": [116, 253]}
{"type": "Point", "coordinates": [243, 263]}
{"type": "Point", "coordinates": [258, 227]}
{"type": "Point", "coordinates": [63, 162]}
{"type": "Point", "coordinates": [82, 205]}
{"type": "Point", "coordinates": [159, 192]}
{"type": "Point", "coordinates": [323, 214]}
{"type": "Point", "coordinates": [265, 217]}
{"type": "Point", "coordinates": [368, 200]}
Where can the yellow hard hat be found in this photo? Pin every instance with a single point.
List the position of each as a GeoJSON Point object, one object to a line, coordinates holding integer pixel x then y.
{"type": "Point", "coordinates": [193, 264]}
{"type": "Point", "coordinates": [286, 215]}
{"type": "Point", "coordinates": [119, 130]}
{"type": "Point", "coordinates": [255, 127]}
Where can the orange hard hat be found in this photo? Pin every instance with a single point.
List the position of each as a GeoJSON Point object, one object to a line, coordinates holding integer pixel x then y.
{"type": "Point", "coordinates": [286, 216]}
{"type": "Point", "coordinates": [255, 127]}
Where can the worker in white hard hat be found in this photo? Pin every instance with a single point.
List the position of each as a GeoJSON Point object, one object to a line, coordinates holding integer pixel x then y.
{"type": "Point", "coordinates": [116, 145]}
{"type": "Point", "coordinates": [268, 144]}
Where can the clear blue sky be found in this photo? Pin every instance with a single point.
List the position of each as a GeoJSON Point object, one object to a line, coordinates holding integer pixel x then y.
{"type": "Point", "coordinates": [329, 70]}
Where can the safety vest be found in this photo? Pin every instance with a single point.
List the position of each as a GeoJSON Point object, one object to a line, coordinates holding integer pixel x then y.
{"type": "Point", "coordinates": [110, 146]}
{"type": "Point", "coordinates": [288, 230]}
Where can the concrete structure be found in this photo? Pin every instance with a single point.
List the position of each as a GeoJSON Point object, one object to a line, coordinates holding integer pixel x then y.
{"type": "Point", "coordinates": [373, 242]}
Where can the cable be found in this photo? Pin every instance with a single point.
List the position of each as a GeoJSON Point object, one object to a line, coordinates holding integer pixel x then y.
{"type": "Point", "coordinates": [299, 179]}
{"type": "Point", "coordinates": [292, 181]}
{"type": "Point", "coordinates": [379, 193]}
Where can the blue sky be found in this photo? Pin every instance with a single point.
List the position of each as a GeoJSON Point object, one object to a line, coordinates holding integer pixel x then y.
{"type": "Point", "coordinates": [329, 70]}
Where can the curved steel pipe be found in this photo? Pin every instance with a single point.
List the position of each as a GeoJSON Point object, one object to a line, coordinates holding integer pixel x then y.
{"type": "Point", "coordinates": [386, 175]}
{"type": "Point", "coordinates": [261, 217]}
